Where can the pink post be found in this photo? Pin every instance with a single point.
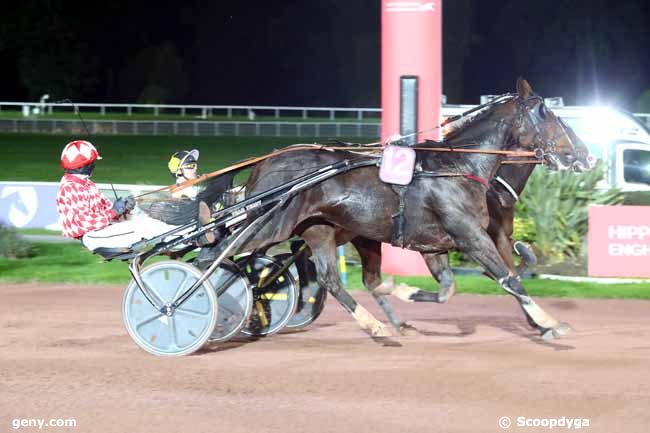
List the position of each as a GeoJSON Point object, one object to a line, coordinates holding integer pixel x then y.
{"type": "Point", "coordinates": [411, 45]}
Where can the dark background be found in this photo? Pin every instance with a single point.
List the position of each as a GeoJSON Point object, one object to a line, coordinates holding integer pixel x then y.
{"type": "Point", "coordinates": [317, 53]}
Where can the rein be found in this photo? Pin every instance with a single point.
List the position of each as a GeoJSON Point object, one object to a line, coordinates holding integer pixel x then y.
{"type": "Point", "coordinates": [538, 154]}
{"type": "Point", "coordinates": [370, 149]}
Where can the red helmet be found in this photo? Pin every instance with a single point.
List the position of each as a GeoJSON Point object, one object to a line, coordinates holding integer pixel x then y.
{"type": "Point", "coordinates": [77, 154]}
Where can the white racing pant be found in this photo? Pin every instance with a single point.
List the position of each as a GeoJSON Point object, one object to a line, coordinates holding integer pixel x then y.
{"type": "Point", "coordinates": [126, 233]}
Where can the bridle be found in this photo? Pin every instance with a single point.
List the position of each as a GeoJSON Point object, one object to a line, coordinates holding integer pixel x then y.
{"type": "Point", "coordinates": [545, 148]}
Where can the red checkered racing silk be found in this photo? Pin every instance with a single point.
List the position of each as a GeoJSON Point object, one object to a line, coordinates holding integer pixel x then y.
{"type": "Point", "coordinates": [82, 207]}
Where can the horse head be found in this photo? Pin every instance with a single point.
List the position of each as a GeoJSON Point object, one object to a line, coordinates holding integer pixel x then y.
{"type": "Point", "coordinates": [538, 129]}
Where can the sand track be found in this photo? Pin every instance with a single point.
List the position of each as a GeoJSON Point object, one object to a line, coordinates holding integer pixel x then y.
{"type": "Point", "coordinates": [65, 354]}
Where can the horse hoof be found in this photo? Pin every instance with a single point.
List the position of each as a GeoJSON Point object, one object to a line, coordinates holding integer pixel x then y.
{"type": "Point", "coordinates": [560, 330]}
{"type": "Point", "coordinates": [406, 293]}
{"type": "Point", "coordinates": [422, 296]}
{"type": "Point", "coordinates": [381, 331]}
{"type": "Point", "coordinates": [407, 330]}
{"type": "Point", "coordinates": [547, 335]}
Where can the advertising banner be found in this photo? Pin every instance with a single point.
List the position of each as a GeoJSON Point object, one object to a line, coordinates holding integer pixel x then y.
{"type": "Point", "coordinates": [29, 205]}
{"type": "Point", "coordinates": [33, 204]}
{"type": "Point", "coordinates": [619, 241]}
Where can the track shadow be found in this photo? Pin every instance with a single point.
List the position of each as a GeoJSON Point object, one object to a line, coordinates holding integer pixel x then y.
{"type": "Point", "coordinates": [467, 326]}
{"type": "Point", "coordinates": [564, 305]}
{"type": "Point", "coordinates": [221, 347]}
{"type": "Point", "coordinates": [323, 325]}
{"type": "Point", "coordinates": [386, 341]}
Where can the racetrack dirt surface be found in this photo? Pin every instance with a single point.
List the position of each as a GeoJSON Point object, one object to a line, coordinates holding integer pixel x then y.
{"type": "Point", "coordinates": [65, 354]}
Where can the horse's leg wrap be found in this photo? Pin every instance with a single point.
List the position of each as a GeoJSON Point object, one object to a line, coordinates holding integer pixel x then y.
{"type": "Point", "coordinates": [369, 323]}
{"type": "Point", "coordinates": [512, 285]}
{"type": "Point", "coordinates": [401, 291]}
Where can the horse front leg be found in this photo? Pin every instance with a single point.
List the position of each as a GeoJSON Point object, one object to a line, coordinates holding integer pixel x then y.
{"type": "Point", "coordinates": [477, 244]}
{"type": "Point", "coordinates": [501, 233]}
{"type": "Point", "coordinates": [500, 229]}
{"type": "Point", "coordinates": [322, 242]}
{"type": "Point", "coordinates": [528, 257]}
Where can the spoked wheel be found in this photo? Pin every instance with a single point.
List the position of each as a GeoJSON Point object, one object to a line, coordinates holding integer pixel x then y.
{"type": "Point", "coordinates": [311, 297]}
{"type": "Point", "coordinates": [274, 300]}
{"type": "Point", "coordinates": [235, 301]}
{"type": "Point", "coordinates": [187, 328]}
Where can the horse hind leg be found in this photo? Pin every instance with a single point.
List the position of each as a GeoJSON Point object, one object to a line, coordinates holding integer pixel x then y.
{"type": "Point", "coordinates": [438, 265]}
{"type": "Point", "coordinates": [321, 240]}
{"type": "Point", "coordinates": [370, 253]}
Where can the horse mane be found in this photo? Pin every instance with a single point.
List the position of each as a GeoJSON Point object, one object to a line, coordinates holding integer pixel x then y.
{"type": "Point", "coordinates": [466, 121]}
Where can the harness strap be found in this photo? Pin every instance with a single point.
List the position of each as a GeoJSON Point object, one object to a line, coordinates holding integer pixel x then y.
{"type": "Point", "coordinates": [470, 176]}
{"type": "Point", "coordinates": [478, 179]}
{"type": "Point", "coordinates": [399, 220]}
{"type": "Point", "coordinates": [507, 186]}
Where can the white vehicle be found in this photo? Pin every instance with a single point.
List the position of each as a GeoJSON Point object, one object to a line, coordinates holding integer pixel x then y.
{"type": "Point", "coordinates": [612, 135]}
{"type": "Point", "coordinates": [616, 137]}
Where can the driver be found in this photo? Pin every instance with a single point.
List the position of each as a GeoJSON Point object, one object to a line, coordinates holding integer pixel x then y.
{"type": "Point", "coordinates": [87, 215]}
{"type": "Point", "coordinates": [183, 166]}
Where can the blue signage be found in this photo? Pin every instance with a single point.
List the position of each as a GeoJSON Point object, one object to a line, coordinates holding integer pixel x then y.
{"type": "Point", "coordinates": [29, 205]}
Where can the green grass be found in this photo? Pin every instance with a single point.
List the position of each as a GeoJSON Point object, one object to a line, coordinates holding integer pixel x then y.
{"type": "Point", "coordinates": [149, 116]}
{"type": "Point", "coordinates": [63, 263]}
{"type": "Point", "coordinates": [39, 232]}
{"type": "Point", "coordinates": [72, 263]}
{"type": "Point", "coordinates": [127, 158]}
{"type": "Point", "coordinates": [481, 285]}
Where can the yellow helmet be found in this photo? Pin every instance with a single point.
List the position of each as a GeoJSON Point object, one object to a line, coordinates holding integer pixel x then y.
{"type": "Point", "coordinates": [182, 159]}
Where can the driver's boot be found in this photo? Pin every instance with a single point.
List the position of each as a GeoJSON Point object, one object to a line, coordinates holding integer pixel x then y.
{"type": "Point", "coordinates": [204, 217]}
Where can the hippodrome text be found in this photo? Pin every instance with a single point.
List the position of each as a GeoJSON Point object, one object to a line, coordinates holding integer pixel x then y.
{"type": "Point", "coordinates": [627, 233]}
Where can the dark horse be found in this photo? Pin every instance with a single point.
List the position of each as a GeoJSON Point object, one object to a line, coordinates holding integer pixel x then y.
{"type": "Point", "coordinates": [445, 210]}
{"type": "Point", "coordinates": [505, 189]}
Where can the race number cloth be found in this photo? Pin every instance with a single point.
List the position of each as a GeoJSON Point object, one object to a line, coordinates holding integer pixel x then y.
{"type": "Point", "coordinates": [82, 206]}
{"type": "Point", "coordinates": [126, 233]}
{"type": "Point", "coordinates": [397, 165]}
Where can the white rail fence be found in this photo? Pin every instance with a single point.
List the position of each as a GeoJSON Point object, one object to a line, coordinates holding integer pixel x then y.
{"type": "Point", "coordinates": [199, 111]}
{"type": "Point", "coordinates": [341, 120]}
{"type": "Point", "coordinates": [193, 128]}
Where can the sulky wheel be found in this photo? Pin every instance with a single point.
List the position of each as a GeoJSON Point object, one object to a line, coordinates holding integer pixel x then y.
{"type": "Point", "coordinates": [274, 301]}
{"type": "Point", "coordinates": [187, 328]}
{"type": "Point", "coordinates": [235, 301]}
{"type": "Point", "coordinates": [311, 302]}
{"type": "Point", "coordinates": [311, 297]}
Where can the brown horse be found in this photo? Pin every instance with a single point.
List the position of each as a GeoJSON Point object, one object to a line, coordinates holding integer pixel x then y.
{"type": "Point", "coordinates": [445, 206]}
{"type": "Point", "coordinates": [505, 189]}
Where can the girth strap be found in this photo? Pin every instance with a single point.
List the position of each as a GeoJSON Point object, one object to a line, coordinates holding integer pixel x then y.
{"type": "Point", "coordinates": [399, 220]}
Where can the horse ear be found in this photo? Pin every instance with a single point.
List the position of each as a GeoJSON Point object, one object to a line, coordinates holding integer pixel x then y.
{"type": "Point", "coordinates": [523, 88]}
